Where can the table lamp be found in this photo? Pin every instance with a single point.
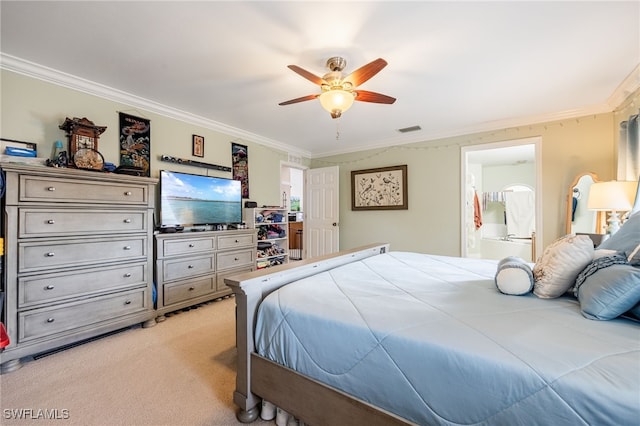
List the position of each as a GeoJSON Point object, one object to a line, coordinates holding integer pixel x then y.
{"type": "Point", "coordinates": [614, 197]}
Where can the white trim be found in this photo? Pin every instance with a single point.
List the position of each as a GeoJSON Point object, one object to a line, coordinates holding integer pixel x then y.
{"type": "Point", "coordinates": [30, 69]}
{"type": "Point", "coordinates": [626, 88]}
{"type": "Point", "coordinates": [21, 66]}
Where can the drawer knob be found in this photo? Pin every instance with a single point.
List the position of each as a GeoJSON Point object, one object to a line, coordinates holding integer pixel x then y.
{"type": "Point", "coordinates": [127, 302]}
{"type": "Point", "coordinates": [191, 288]}
{"type": "Point", "coordinates": [50, 254]}
{"type": "Point", "coordinates": [237, 241]}
{"type": "Point", "coordinates": [236, 259]}
{"type": "Point", "coordinates": [51, 222]}
{"type": "Point", "coordinates": [127, 193]}
{"type": "Point", "coordinates": [191, 245]}
{"type": "Point", "coordinates": [127, 221]}
{"type": "Point", "coordinates": [127, 275]}
{"type": "Point", "coordinates": [127, 247]}
{"type": "Point", "coordinates": [51, 188]}
{"type": "Point", "coordinates": [49, 287]}
{"type": "Point", "coordinates": [190, 266]}
{"type": "Point", "coordinates": [50, 320]}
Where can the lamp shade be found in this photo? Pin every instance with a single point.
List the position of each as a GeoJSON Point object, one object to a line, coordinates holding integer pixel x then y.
{"type": "Point", "coordinates": [336, 101]}
{"type": "Point", "coordinates": [612, 196]}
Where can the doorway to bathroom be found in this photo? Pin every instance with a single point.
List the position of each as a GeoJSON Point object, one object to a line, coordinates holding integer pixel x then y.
{"type": "Point", "coordinates": [501, 205]}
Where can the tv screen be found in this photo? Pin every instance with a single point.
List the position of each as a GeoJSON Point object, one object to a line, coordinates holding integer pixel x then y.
{"type": "Point", "coordinates": [191, 200]}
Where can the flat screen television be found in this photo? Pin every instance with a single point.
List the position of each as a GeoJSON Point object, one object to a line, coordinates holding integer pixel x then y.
{"type": "Point", "coordinates": [195, 200]}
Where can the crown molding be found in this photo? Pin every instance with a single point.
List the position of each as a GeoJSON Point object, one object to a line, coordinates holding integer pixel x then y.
{"type": "Point", "coordinates": [487, 127]}
{"type": "Point", "coordinates": [50, 75]}
{"type": "Point", "coordinates": [11, 63]}
{"type": "Point", "coordinates": [628, 86]}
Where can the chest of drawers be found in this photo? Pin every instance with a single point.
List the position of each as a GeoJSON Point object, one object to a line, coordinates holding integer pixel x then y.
{"type": "Point", "coordinates": [191, 267]}
{"type": "Point", "coordinates": [79, 256]}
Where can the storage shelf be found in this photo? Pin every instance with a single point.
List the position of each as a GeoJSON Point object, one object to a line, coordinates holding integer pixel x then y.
{"type": "Point", "coordinates": [261, 219]}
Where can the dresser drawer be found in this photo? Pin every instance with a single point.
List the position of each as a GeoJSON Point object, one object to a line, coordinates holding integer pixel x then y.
{"type": "Point", "coordinates": [184, 268]}
{"type": "Point", "coordinates": [236, 241]}
{"type": "Point", "coordinates": [185, 246]}
{"type": "Point", "coordinates": [49, 288]}
{"type": "Point", "coordinates": [52, 222]}
{"type": "Point", "coordinates": [234, 259]}
{"type": "Point", "coordinates": [33, 256]}
{"type": "Point", "coordinates": [44, 322]}
{"type": "Point", "coordinates": [180, 292]}
{"type": "Point", "coordinates": [60, 190]}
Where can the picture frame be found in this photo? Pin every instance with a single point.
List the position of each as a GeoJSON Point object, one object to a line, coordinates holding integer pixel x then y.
{"type": "Point", "coordinates": [382, 188]}
{"type": "Point", "coordinates": [198, 146]}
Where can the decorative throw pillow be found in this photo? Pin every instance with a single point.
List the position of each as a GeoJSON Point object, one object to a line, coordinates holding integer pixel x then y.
{"type": "Point", "coordinates": [560, 263]}
{"type": "Point", "coordinates": [627, 237]}
{"type": "Point", "coordinates": [634, 256]}
{"type": "Point", "coordinates": [514, 276]}
{"type": "Point", "coordinates": [603, 253]}
{"type": "Point", "coordinates": [609, 292]}
{"type": "Point", "coordinates": [596, 265]}
{"type": "Point", "coordinates": [634, 313]}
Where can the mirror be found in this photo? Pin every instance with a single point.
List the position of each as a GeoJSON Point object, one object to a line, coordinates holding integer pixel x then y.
{"type": "Point", "coordinates": [579, 218]}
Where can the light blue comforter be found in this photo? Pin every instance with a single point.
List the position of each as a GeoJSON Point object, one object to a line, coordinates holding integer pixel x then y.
{"type": "Point", "coordinates": [431, 339]}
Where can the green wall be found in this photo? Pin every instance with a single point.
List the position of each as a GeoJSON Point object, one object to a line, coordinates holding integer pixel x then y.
{"type": "Point", "coordinates": [33, 109]}
{"type": "Point", "coordinates": [432, 222]}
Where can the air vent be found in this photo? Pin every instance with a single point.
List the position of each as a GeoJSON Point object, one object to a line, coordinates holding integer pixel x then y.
{"type": "Point", "coordinates": [410, 129]}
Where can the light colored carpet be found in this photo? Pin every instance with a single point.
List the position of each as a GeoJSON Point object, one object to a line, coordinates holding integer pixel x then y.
{"type": "Point", "coordinates": [180, 372]}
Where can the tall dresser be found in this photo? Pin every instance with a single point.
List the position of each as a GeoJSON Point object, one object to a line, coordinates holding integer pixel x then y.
{"type": "Point", "coordinates": [78, 256]}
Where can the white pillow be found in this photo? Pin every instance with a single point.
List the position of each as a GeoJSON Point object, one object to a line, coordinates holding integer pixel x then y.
{"type": "Point", "coordinates": [560, 263]}
{"type": "Point", "coordinates": [514, 276]}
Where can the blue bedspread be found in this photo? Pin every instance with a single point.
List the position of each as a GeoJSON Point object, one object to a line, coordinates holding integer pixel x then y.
{"type": "Point", "coordinates": [431, 339]}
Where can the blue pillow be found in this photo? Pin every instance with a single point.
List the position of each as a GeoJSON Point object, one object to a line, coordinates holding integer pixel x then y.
{"type": "Point", "coordinates": [609, 292]}
{"type": "Point", "coordinates": [634, 312]}
{"type": "Point", "coordinates": [627, 238]}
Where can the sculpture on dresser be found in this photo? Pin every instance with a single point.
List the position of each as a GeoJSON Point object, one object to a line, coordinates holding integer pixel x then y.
{"type": "Point", "coordinates": [83, 135]}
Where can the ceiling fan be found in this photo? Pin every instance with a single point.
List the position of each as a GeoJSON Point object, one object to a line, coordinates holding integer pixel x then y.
{"type": "Point", "coordinates": [338, 92]}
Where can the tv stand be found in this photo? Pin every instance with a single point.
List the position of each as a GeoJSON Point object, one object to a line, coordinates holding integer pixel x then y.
{"type": "Point", "coordinates": [191, 266]}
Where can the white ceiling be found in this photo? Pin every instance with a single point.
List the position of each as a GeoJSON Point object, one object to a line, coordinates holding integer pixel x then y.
{"type": "Point", "coordinates": [454, 67]}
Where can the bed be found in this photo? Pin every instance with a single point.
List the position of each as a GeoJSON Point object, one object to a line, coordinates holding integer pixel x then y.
{"type": "Point", "coordinates": [375, 337]}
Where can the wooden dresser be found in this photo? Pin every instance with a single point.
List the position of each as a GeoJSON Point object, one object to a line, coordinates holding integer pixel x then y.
{"type": "Point", "coordinates": [78, 256]}
{"type": "Point", "coordinates": [191, 266]}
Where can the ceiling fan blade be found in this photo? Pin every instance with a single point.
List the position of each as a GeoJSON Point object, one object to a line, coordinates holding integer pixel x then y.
{"type": "Point", "coordinates": [306, 74]}
{"type": "Point", "coordinates": [378, 98]}
{"type": "Point", "coordinates": [365, 72]}
{"type": "Point", "coordinates": [296, 100]}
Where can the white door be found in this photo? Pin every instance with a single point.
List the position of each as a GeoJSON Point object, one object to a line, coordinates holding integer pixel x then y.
{"type": "Point", "coordinates": [321, 212]}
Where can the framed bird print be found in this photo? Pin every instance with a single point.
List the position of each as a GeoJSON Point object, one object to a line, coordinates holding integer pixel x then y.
{"type": "Point", "coordinates": [379, 189]}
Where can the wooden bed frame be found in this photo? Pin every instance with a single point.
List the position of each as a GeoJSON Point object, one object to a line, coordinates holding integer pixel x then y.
{"type": "Point", "coordinates": [259, 378]}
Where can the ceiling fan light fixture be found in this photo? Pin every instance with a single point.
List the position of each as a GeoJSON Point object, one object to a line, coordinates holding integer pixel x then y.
{"type": "Point", "coordinates": [336, 101]}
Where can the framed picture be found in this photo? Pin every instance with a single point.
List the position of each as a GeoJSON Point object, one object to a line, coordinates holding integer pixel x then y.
{"type": "Point", "coordinates": [198, 146]}
{"type": "Point", "coordinates": [379, 189]}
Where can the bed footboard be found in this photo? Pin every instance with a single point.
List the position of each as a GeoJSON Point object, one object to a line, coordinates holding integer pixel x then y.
{"type": "Point", "coordinates": [251, 288]}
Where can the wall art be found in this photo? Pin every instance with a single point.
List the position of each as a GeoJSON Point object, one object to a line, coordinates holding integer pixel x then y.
{"type": "Point", "coordinates": [197, 146]}
{"type": "Point", "coordinates": [379, 189]}
{"type": "Point", "coordinates": [240, 163]}
{"type": "Point", "coordinates": [135, 142]}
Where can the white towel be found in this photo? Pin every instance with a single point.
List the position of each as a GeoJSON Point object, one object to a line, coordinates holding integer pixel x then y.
{"type": "Point", "coordinates": [520, 211]}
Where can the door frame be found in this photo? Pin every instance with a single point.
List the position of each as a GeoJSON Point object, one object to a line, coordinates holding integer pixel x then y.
{"type": "Point", "coordinates": [536, 141]}
{"type": "Point", "coordinates": [292, 165]}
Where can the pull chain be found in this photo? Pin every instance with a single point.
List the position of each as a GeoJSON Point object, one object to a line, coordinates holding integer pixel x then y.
{"type": "Point", "coordinates": [338, 129]}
